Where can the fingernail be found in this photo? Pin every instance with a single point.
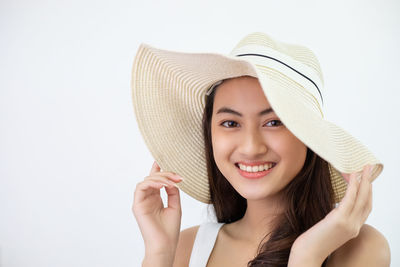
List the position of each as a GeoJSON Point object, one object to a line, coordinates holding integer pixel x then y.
{"type": "Point", "coordinates": [179, 177]}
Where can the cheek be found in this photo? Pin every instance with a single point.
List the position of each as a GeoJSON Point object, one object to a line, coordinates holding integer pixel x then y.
{"type": "Point", "coordinates": [221, 144]}
{"type": "Point", "coordinates": [291, 150]}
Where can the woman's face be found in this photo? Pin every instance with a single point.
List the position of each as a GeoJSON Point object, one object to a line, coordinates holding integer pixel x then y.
{"type": "Point", "coordinates": [252, 138]}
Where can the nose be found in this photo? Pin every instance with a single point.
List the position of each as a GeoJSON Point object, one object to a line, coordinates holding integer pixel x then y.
{"type": "Point", "coordinates": [252, 144]}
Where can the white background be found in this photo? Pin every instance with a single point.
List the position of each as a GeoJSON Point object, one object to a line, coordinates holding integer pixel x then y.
{"type": "Point", "coordinates": [70, 149]}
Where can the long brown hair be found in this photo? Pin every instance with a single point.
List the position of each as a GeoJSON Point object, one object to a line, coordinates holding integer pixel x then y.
{"type": "Point", "coordinates": [308, 199]}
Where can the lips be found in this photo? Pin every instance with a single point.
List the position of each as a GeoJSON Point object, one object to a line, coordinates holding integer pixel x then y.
{"type": "Point", "coordinates": [254, 175]}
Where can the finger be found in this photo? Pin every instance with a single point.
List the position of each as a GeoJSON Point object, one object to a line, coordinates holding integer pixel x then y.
{"type": "Point", "coordinates": [370, 172]}
{"type": "Point", "coordinates": [145, 189]}
{"type": "Point", "coordinates": [174, 201]}
{"type": "Point", "coordinates": [164, 179]}
{"type": "Point", "coordinates": [154, 168]}
{"type": "Point", "coordinates": [170, 175]}
{"type": "Point", "coordinates": [347, 203]}
{"type": "Point", "coordinates": [368, 207]}
{"type": "Point", "coordinates": [346, 176]}
{"type": "Point", "coordinates": [362, 195]}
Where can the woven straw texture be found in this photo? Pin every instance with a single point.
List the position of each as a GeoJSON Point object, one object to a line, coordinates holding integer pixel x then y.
{"type": "Point", "coordinates": [168, 93]}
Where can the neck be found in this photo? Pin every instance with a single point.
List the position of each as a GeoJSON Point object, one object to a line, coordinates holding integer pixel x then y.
{"type": "Point", "coordinates": [258, 219]}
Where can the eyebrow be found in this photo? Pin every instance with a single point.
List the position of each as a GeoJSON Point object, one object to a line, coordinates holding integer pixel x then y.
{"type": "Point", "coordinates": [234, 112]}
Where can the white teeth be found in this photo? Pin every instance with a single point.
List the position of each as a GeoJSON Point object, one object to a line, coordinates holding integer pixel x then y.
{"type": "Point", "coordinates": [255, 168]}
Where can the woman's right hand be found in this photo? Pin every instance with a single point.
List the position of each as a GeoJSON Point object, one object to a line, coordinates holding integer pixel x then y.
{"type": "Point", "coordinates": [160, 227]}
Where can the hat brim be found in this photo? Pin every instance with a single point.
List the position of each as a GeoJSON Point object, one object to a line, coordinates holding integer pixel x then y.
{"type": "Point", "coordinates": [168, 92]}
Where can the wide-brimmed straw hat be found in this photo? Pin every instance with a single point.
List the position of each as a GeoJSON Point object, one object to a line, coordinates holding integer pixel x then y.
{"type": "Point", "coordinates": [169, 89]}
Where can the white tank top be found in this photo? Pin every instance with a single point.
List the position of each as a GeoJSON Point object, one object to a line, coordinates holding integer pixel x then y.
{"type": "Point", "coordinates": [204, 243]}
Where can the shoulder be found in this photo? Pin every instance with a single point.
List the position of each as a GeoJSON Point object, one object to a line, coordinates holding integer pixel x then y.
{"type": "Point", "coordinates": [369, 248]}
{"type": "Point", "coordinates": [185, 245]}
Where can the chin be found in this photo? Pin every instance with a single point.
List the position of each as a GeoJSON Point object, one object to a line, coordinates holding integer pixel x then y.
{"type": "Point", "coordinates": [255, 193]}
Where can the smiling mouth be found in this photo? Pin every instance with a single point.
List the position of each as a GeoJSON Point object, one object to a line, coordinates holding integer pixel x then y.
{"type": "Point", "coordinates": [254, 175]}
{"type": "Point", "coordinates": [237, 166]}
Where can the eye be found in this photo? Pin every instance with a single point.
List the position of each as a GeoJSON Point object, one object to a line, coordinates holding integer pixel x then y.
{"type": "Point", "coordinates": [275, 123]}
{"type": "Point", "coordinates": [280, 123]}
{"type": "Point", "coordinates": [229, 124]}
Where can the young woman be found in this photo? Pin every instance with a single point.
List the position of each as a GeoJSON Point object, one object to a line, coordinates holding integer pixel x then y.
{"type": "Point", "coordinates": [273, 196]}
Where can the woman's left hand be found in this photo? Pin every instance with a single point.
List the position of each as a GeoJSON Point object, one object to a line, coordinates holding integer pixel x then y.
{"type": "Point", "coordinates": [340, 225]}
